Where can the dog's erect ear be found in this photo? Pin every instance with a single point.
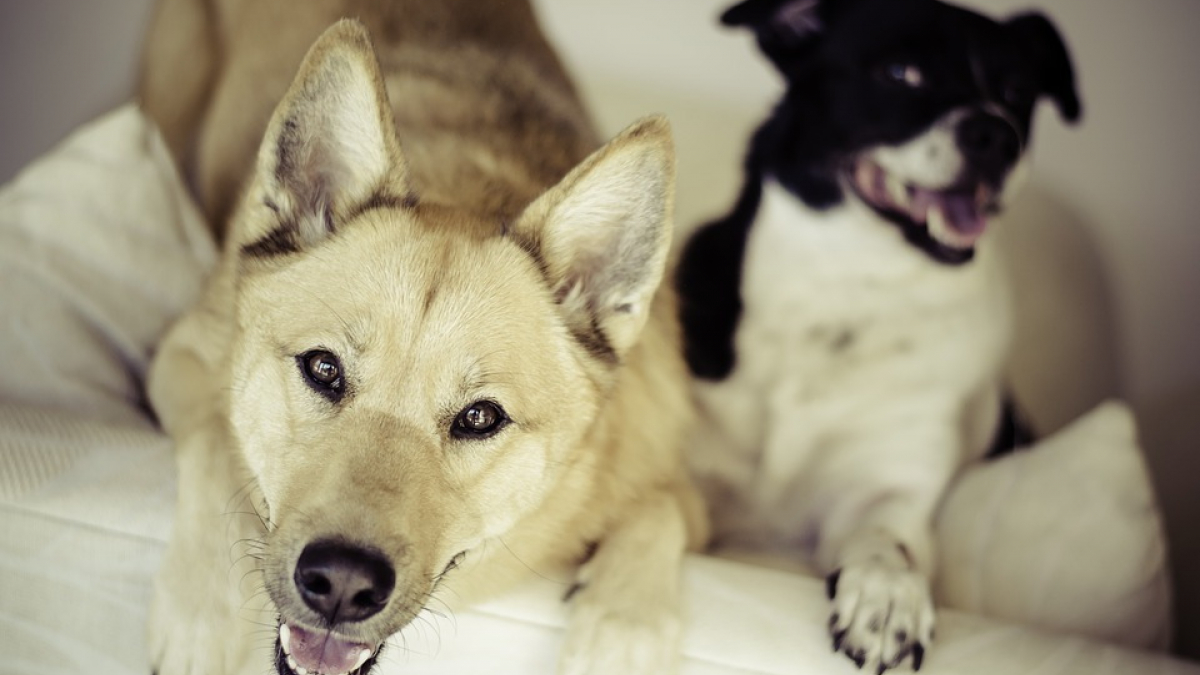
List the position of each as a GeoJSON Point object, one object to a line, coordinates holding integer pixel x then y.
{"type": "Point", "coordinates": [331, 143]}
{"type": "Point", "coordinates": [1041, 40]}
{"type": "Point", "coordinates": [781, 26]}
{"type": "Point", "coordinates": [602, 235]}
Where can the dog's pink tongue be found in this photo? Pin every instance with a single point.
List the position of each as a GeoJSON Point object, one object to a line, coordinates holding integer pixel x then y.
{"type": "Point", "coordinates": [323, 653]}
{"type": "Point", "coordinates": [962, 213]}
{"type": "Point", "coordinates": [954, 219]}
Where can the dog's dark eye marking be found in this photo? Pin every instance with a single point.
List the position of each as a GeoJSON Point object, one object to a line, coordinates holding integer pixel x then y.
{"type": "Point", "coordinates": [903, 73]}
{"type": "Point", "coordinates": [481, 419]}
{"type": "Point", "coordinates": [322, 371]}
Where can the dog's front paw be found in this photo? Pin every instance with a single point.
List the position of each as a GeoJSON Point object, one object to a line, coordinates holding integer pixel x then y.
{"type": "Point", "coordinates": [610, 636]}
{"type": "Point", "coordinates": [881, 616]}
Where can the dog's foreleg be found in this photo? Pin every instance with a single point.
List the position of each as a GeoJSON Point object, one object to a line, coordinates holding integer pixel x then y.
{"type": "Point", "coordinates": [877, 546]}
{"type": "Point", "coordinates": [207, 602]}
{"type": "Point", "coordinates": [626, 615]}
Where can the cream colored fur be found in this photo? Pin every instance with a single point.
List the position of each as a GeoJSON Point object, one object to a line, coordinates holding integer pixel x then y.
{"type": "Point", "coordinates": [443, 225]}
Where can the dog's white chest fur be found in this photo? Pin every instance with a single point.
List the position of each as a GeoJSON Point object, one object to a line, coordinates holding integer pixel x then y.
{"type": "Point", "coordinates": [849, 340]}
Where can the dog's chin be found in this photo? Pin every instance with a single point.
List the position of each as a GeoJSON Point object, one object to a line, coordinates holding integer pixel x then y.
{"type": "Point", "coordinates": [301, 651]}
{"type": "Point", "coordinates": [945, 223]}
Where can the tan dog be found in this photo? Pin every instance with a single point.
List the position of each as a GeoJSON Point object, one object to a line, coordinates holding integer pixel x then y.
{"type": "Point", "coordinates": [434, 358]}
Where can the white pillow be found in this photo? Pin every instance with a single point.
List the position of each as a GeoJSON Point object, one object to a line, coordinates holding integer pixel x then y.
{"type": "Point", "coordinates": [1065, 535]}
{"type": "Point", "coordinates": [100, 249]}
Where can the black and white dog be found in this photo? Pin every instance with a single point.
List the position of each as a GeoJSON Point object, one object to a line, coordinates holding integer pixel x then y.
{"type": "Point", "coordinates": [847, 322]}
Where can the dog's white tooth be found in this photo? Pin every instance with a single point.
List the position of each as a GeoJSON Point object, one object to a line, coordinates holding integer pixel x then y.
{"type": "Point", "coordinates": [362, 658]}
{"type": "Point", "coordinates": [937, 223]}
{"type": "Point", "coordinates": [285, 638]}
{"type": "Point", "coordinates": [292, 664]}
{"type": "Point", "coordinates": [301, 670]}
{"type": "Point", "coordinates": [897, 192]}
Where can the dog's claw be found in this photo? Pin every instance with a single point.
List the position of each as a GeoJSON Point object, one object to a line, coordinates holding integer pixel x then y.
{"type": "Point", "coordinates": [831, 583]}
{"type": "Point", "coordinates": [918, 654]}
{"type": "Point", "coordinates": [838, 637]}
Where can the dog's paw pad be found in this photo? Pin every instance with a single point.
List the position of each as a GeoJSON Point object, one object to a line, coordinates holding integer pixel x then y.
{"type": "Point", "coordinates": [881, 616]}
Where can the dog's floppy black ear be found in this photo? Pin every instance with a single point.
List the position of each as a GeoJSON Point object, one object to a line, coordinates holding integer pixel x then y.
{"type": "Point", "coordinates": [1036, 34]}
{"type": "Point", "coordinates": [330, 145]}
{"type": "Point", "coordinates": [602, 235]}
{"type": "Point", "coordinates": [781, 26]}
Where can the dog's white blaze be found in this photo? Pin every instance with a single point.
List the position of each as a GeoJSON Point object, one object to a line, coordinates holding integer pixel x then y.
{"type": "Point", "coordinates": [932, 160]}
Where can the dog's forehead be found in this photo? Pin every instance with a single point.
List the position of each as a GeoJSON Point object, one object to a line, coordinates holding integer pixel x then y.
{"type": "Point", "coordinates": [879, 28]}
{"type": "Point", "coordinates": [400, 285]}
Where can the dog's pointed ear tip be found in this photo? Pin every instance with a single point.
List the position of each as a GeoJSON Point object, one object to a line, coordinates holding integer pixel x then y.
{"type": "Point", "coordinates": [348, 30]}
{"type": "Point", "coordinates": [344, 36]}
{"type": "Point", "coordinates": [656, 125]}
{"type": "Point", "coordinates": [652, 130]}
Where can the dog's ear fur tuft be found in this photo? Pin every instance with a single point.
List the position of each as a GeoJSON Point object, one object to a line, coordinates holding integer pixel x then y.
{"type": "Point", "coordinates": [781, 26]}
{"type": "Point", "coordinates": [1042, 40]}
{"type": "Point", "coordinates": [331, 142]}
{"type": "Point", "coordinates": [602, 235]}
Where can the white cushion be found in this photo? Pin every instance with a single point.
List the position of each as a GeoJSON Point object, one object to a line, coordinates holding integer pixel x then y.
{"type": "Point", "coordinates": [1065, 535]}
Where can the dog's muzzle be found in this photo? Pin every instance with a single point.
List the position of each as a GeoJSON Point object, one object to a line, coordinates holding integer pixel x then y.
{"type": "Point", "coordinates": [342, 584]}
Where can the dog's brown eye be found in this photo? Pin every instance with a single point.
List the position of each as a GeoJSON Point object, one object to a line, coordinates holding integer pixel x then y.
{"type": "Point", "coordinates": [323, 372]}
{"type": "Point", "coordinates": [479, 420]}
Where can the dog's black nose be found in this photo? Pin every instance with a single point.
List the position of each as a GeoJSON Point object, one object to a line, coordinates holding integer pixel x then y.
{"type": "Point", "coordinates": [988, 141]}
{"type": "Point", "coordinates": [343, 582]}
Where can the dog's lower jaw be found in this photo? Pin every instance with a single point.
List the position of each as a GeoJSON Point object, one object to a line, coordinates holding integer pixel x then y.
{"type": "Point", "coordinates": [347, 657]}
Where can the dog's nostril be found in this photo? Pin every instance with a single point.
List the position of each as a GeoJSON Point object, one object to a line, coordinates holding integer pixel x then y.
{"type": "Point", "coordinates": [368, 599]}
{"type": "Point", "coordinates": [316, 583]}
{"type": "Point", "coordinates": [343, 582]}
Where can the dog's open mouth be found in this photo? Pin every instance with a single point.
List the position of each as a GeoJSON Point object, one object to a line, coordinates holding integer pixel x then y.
{"type": "Point", "coordinates": [306, 652]}
{"type": "Point", "coordinates": [954, 217]}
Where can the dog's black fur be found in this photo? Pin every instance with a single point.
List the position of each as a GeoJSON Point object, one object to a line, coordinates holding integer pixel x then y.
{"type": "Point", "coordinates": [844, 64]}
